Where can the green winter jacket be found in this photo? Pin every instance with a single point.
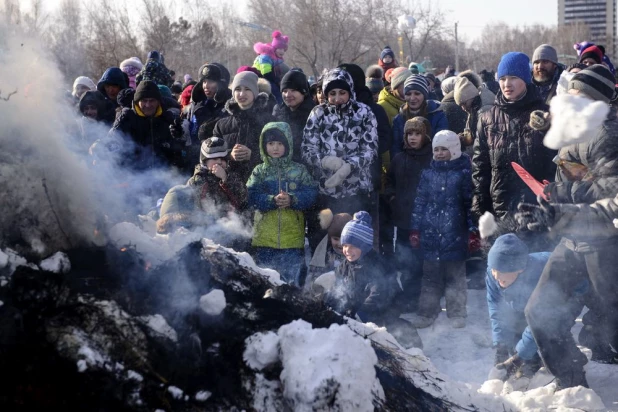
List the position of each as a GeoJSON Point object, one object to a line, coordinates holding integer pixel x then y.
{"type": "Point", "coordinates": [390, 103]}
{"type": "Point", "coordinates": [274, 227]}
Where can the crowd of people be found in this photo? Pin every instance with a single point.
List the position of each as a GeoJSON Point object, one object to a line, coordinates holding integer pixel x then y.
{"type": "Point", "coordinates": [385, 173]}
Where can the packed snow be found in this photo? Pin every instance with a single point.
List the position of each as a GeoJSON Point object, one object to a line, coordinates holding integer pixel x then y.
{"type": "Point", "coordinates": [175, 392]}
{"type": "Point", "coordinates": [202, 396]}
{"type": "Point", "coordinates": [574, 119]}
{"type": "Point", "coordinates": [134, 376]}
{"type": "Point", "coordinates": [213, 303]}
{"type": "Point", "coordinates": [57, 263]}
{"type": "Point", "coordinates": [159, 325]}
{"type": "Point", "coordinates": [262, 350]}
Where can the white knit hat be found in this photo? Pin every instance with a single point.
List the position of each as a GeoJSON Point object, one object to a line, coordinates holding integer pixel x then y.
{"type": "Point", "coordinates": [450, 140]}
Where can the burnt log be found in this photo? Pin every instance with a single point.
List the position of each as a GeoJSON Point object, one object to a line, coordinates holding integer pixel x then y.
{"type": "Point", "coordinates": [89, 340]}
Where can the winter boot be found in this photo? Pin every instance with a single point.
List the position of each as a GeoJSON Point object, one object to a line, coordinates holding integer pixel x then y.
{"type": "Point", "coordinates": [421, 322]}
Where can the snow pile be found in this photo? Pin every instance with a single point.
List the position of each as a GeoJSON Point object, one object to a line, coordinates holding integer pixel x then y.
{"type": "Point", "coordinates": [574, 119]}
{"type": "Point", "coordinates": [202, 396]}
{"type": "Point", "coordinates": [213, 303]}
{"type": "Point", "coordinates": [487, 225]}
{"type": "Point", "coordinates": [9, 258]}
{"type": "Point", "coordinates": [57, 263]}
{"type": "Point", "coordinates": [159, 325]}
{"type": "Point", "coordinates": [262, 350]}
{"type": "Point", "coordinates": [4, 259]}
{"type": "Point", "coordinates": [134, 376]}
{"type": "Point", "coordinates": [175, 392]}
{"type": "Point", "coordinates": [323, 369]}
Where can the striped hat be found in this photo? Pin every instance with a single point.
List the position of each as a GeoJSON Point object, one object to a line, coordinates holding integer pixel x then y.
{"type": "Point", "coordinates": [417, 82]}
{"type": "Point", "coordinates": [595, 81]}
{"type": "Point", "coordinates": [358, 232]}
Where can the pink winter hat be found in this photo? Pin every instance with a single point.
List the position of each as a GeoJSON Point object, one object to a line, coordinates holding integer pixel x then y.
{"type": "Point", "coordinates": [279, 41]}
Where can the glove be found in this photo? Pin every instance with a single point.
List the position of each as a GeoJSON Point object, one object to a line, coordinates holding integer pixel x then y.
{"type": "Point", "coordinates": [415, 239]}
{"type": "Point", "coordinates": [502, 353]}
{"type": "Point", "coordinates": [540, 120]}
{"type": "Point", "coordinates": [339, 176]}
{"type": "Point", "coordinates": [511, 365]}
{"type": "Point", "coordinates": [474, 242]}
{"type": "Point", "coordinates": [176, 128]}
{"type": "Point", "coordinates": [333, 163]}
{"type": "Point", "coordinates": [536, 217]}
{"type": "Point", "coordinates": [558, 192]}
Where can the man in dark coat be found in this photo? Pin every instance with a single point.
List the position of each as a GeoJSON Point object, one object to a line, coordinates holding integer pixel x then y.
{"type": "Point", "coordinates": [110, 85]}
{"type": "Point", "coordinates": [546, 71]}
{"type": "Point", "coordinates": [155, 137]}
{"type": "Point", "coordinates": [296, 106]}
{"type": "Point", "coordinates": [504, 136]}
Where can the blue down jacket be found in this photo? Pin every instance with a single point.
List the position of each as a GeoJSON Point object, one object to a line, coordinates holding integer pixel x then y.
{"type": "Point", "coordinates": [441, 211]}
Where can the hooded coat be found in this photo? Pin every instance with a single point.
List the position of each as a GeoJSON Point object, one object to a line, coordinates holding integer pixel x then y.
{"type": "Point", "coordinates": [348, 132]}
{"type": "Point", "coordinates": [441, 211]}
{"type": "Point", "coordinates": [504, 136]}
{"type": "Point", "coordinates": [112, 75]}
{"type": "Point", "coordinates": [297, 119]}
{"type": "Point", "coordinates": [275, 227]}
{"type": "Point", "coordinates": [435, 115]}
{"type": "Point", "coordinates": [244, 127]}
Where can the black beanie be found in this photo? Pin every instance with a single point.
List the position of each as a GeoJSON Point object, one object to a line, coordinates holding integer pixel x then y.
{"type": "Point", "coordinates": [210, 72]}
{"type": "Point", "coordinates": [295, 80]}
{"type": "Point", "coordinates": [357, 74]}
{"type": "Point", "coordinates": [147, 89]}
{"type": "Point", "coordinates": [275, 135]}
{"type": "Point", "coordinates": [337, 84]}
{"type": "Point", "coordinates": [595, 81]}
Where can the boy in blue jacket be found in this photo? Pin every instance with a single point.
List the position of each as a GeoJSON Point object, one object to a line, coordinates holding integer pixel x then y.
{"type": "Point", "coordinates": [443, 228]}
{"type": "Point", "coordinates": [512, 275]}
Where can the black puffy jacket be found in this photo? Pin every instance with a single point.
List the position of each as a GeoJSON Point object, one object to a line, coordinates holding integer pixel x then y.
{"type": "Point", "coordinates": [244, 127]}
{"type": "Point", "coordinates": [297, 120]}
{"type": "Point", "coordinates": [504, 136]}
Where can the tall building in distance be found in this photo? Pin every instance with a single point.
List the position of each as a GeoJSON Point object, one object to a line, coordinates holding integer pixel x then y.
{"type": "Point", "coordinates": [599, 15]}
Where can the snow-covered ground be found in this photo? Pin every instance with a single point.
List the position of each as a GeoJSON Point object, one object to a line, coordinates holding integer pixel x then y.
{"type": "Point", "coordinates": [466, 355]}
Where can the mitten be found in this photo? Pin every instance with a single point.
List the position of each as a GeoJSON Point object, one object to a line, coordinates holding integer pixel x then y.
{"type": "Point", "coordinates": [339, 176]}
{"type": "Point", "coordinates": [539, 120]}
{"type": "Point", "coordinates": [415, 239]}
{"type": "Point", "coordinates": [474, 242]}
{"type": "Point", "coordinates": [536, 217]}
{"type": "Point", "coordinates": [332, 163]}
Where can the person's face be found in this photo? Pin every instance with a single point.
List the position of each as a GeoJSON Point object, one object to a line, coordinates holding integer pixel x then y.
{"type": "Point", "coordinates": [398, 92]}
{"type": "Point", "coordinates": [335, 242]}
{"type": "Point", "coordinates": [210, 88]}
{"type": "Point", "coordinates": [210, 163]}
{"type": "Point", "coordinates": [543, 70]}
{"type": "Point", "coordinates": [589, 61]}
{"type": "Point", "coordinates": [148, 106]}
{"type": "Point", "coordinates": [351, 253]}
{"type": "Point", "coordinates": [415, 139]}
{"type": "Point", "coordinates": [512, 87]}
{"type": "Point", "coordinates": [81, 89]}
{"type": "Point", "coordinates": [112, 91]}
{"type": "Point", "coordinates": [320, 95]}
{"type": "Point", "coordinates": [505, 279]}
{"type": "Point", "coordinates": [244, 97]}
{"type": "Point", "coordinates": [292, 98]}
{"type": "Point", "coordinates": [441, 154]}
{"type": "Point", "coordinates": [415, 99]}
{"type": "Point", "coordinates": [338, 97]}
{"type": "Point", "coordinates": [279, 53]}
{"type": "Point", "coordinates": [275, 149]}
{"type": "Point", "coordinates": [91, 111]}
{"type": "Point", "coordinates": [387, 59]}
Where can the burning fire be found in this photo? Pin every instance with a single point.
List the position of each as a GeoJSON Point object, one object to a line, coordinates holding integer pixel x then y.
{"type": "Point", "coordinates": [124, 249]}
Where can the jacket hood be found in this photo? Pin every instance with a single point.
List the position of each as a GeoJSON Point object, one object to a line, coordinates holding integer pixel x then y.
{"type": "Point", "coordinates": [340, 74]}
{"type": "Point", "coordinates": [92, 97]}
{"type": "Point", "coordinates": [287, 132]}
{"type": "Point", "coordinates": [260, 103]}
{"type": "Point", "coordinates": [112, 75]}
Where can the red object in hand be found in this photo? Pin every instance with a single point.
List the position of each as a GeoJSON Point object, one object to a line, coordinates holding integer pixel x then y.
{"type": "Point", "coordinates": [415, 239]}
{"type": "Point", "coordinates": [474, 242]}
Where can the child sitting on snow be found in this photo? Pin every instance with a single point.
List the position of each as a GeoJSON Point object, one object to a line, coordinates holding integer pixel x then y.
{"type": "Point", "coordinates": [280, 190]}
{"type": "Point", "coordinates": [270, 61]}
{"type": "Point", "coordinates": [442, 227]}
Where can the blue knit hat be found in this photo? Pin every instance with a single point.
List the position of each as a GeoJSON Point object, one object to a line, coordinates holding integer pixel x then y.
{"type": "Point", "coordinates": [358, 232]}
{"type": "Point", "coordinates": [515, 64]}
{"type": "Point", "coordinates": [417, 82]}
{"type": "Point", "coordinates": [508, 254]}
{"type": "Point", "coordinates": [387, 52]}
